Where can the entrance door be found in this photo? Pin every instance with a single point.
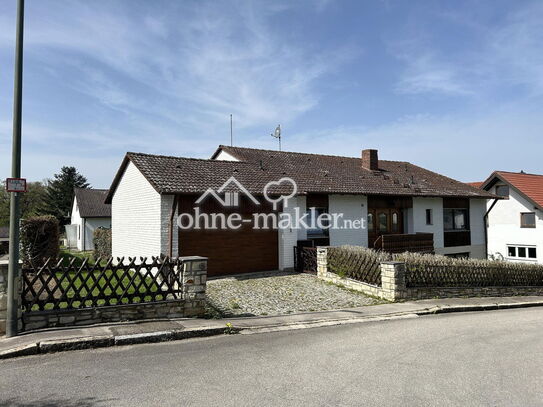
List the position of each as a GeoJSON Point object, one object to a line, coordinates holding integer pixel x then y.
{"type": "Point", "coordinates": [383, 221]}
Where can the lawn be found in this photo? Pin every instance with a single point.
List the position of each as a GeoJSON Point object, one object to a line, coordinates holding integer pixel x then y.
{"type": "Point", "coordinates": [98, 288]}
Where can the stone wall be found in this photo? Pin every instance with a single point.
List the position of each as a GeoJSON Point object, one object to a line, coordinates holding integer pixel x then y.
{"type": "Point", "coordinates": [393, 286]}
{"type": "Point", "coordinates": [192, 303]}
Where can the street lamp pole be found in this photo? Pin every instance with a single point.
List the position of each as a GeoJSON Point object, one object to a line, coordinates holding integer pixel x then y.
{"type": "Point", "coordinates": [15, 211]}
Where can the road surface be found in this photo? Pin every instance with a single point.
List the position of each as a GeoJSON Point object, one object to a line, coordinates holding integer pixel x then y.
{"type": "Point", "coordinates": [492, 358]}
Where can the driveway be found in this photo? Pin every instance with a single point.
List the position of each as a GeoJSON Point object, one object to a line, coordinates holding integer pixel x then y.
{"type": "Point", "coordinates": [279, 294]}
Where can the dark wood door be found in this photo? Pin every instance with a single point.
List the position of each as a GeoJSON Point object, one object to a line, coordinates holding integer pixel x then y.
{"type": "Point", "coordinates": [383, 221]}
{"type": "Point", "coordinates": [231, 251]}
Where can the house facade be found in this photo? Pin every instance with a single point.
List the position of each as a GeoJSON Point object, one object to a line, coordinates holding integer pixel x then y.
{"type": "Point", "coordinates": [89, 212]}
{"type": "Point", "coordinates": [151, 194]}
{"type": "Point", "coordinates": [515, 223]}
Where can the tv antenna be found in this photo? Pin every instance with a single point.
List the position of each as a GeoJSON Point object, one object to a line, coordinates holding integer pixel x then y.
{"type": "Point", "coordinates": [231, 132]}
{"type": "Point", "coordinates": [277, 135]}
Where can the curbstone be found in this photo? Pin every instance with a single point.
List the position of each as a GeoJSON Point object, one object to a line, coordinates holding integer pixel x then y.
{"type": "Point", "coordinates": [148, 337]}
{"type": "Point", "coordinates": [59, 345]}
{"type": "Point", "coordinates": [23, 350]}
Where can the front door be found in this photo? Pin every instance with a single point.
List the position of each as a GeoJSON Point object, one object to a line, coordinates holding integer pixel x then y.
{"type": "Point", "coordinates": [383, 221]}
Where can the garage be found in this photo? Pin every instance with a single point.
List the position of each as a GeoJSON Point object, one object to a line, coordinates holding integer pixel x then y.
{"type": "Point", "coordinates": [238, 251]}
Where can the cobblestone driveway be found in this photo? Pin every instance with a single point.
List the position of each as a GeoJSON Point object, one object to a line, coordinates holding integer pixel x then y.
{"type": "Point", "coordinates": [279, 294]}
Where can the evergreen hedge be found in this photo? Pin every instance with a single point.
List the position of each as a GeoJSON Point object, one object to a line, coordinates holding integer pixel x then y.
{"type": "Point", "coordinates": [39, 240]}
{"type": "Point", "coordinates": [102, 243]}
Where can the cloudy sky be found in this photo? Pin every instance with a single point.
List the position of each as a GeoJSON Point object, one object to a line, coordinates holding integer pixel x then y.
{"type": "Point", "coordinates": [456, 87]}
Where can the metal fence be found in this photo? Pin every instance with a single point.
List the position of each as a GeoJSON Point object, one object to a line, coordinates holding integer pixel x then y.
{"type": "Point", "coordinates": [67, 285]}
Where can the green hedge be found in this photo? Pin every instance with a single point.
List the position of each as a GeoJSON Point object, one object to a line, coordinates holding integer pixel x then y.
{"type": "Point", "coordinates": [102, 243]}
{"type": "Point", "coordinates": [39, 240]}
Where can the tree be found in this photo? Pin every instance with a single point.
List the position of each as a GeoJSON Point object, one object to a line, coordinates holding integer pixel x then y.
{"type": "Point", "coordinates": [60, 193]}
{"type": "Point", "coordinates": [31, 201]}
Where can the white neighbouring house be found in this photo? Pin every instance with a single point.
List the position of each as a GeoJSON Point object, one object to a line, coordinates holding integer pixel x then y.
{"type": "Point", "coordinates": [89, 212]}
{"type": "Point", "coordinates": [515, 223]}
{"type": "Point", "coordinates": [391, 198]}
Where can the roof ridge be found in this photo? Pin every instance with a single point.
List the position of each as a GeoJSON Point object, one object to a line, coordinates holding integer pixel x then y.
{"type": "Point", "coordinates": [519, 173]}
{"type": "Point", "coordinates": [300, 153]}
{"type": "Point", "coordinates": [187, 158]}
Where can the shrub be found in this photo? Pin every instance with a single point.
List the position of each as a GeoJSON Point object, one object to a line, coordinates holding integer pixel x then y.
{"type": "Point", "coordinates": [39, 240]}
{"type": "Point", "coordinates": [102, 243]}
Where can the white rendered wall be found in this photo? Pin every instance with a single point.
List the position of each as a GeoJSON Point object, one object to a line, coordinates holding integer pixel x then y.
{"type": "Point", "coordinates": [353, 207]}
{"type": "Point", "coordinates": [504, 226]}
{"type": "Point", "coordinates": [419, 218]}
{"type": "Point", "coordinates": [287, 239]}
{"type": "Point", "coordinates": [91, 224]}
{"type": "Point", "coordinates": [77, 220]}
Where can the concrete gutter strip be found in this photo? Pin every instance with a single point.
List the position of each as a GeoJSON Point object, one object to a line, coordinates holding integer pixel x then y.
{"type": "Point", "coordinates": [203, 328]}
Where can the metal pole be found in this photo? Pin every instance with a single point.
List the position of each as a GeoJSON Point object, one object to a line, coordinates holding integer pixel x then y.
{"type": "Point", "coordinates": [15, 214]}
{"type": "Point", "coordinates": [231, 132]}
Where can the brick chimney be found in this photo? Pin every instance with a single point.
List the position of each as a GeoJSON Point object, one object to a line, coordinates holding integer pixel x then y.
{"type": "Point", "coordinates": [370, 160]}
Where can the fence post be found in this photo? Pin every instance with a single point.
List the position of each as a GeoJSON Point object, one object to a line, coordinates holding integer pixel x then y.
{"type": "Point", "coordinates": [322, 261]}
{"type": "Point", "coordinates": [194, 278]}
{"type": "Point", "coordinates": [393, 280]}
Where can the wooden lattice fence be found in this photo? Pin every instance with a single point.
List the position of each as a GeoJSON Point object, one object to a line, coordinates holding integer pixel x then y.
{"type": "Point", "coordinates": [67, 285]}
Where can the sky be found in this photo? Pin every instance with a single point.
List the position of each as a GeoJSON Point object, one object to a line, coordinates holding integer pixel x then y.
{"type": "Point", "coordinates": [455, 87]}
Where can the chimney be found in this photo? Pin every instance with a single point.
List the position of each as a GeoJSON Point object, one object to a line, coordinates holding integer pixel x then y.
{"type": "Point", "coordinates": [370, 160]}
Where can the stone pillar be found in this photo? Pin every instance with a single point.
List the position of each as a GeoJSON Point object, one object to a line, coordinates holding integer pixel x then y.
{"type": "Point", "coordinates": [194, 280]}
{"type": "Point", "coordinates": [322, 261]}
{"type": "Point", "coordinates": [393, 280]}
{"type": "Point", "coordinates": [4, 298]}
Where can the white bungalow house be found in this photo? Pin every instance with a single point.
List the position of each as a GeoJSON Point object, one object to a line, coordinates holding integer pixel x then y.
{"type": "Point", "coordinates": [393, 201]}
{"type": "Point", "coordinates": [515, 223]}
{"type": "Point", "coordinates": [89, 212]}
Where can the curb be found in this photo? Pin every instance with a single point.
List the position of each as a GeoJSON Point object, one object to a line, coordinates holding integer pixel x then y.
{"type": "Point", "coordinates": [102, 341]}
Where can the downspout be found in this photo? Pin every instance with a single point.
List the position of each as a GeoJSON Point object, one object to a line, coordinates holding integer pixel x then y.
{"type": "Point", "coordinates": [171, 226]}
{"type": "Point", "coordinates": [485, 219]}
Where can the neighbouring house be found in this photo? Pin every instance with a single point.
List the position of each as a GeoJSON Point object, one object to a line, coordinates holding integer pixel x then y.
{"type": "Point", "coordinates": [4, 240]}
{"type": "Point", "coordinates": [515, 223]}
{"type": "Point", "coordinates": [89, 212]}
{"type": "Point", "coordinates": [393, 198]}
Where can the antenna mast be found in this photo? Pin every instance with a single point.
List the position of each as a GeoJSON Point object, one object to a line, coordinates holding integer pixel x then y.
{"type": "Point", "coordinates": [277, 135]}
{"type": "Point", "coordinates": [231, 132]}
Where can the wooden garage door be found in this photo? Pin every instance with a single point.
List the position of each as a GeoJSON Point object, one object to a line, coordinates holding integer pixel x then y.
{"type": "Point", "coordinates": [231, 251]}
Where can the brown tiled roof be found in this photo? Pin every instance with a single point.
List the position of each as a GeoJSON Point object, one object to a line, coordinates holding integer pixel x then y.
{"type": "Point", "coordinates": [91, 203]}
{"type": "Point", "coordinates": [530, 185]}
{"type": "Point", "coordinates": [313, 173]}
{"type": "Point", "coordinates": [327, 173]}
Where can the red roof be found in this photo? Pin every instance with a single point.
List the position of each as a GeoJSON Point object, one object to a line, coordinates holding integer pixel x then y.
{"type": "Point", "coordinates": [531, 185]}
{"type": "Point", "coordinates": [476, 184]}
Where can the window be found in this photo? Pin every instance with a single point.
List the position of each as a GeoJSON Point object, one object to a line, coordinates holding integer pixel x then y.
{"type": "Point", "coordinates": [502, 190]}
{"type": "Point", "coordinates": [395, 222]}
{"type": "Point", "coordinates": [316, 230]}
{"type": "Point", "coordinates": [429, 217]}
{"type": "Point", "coordinates": [382, 222]}
{"type": "Point", "coordinates": [527, 220]}
{"type": "Point", "coordinates": [455, 219]}
{"type": "Point", "coordinates": [370, 222]}
{"type": "Point", "coordinates": [522, 252]}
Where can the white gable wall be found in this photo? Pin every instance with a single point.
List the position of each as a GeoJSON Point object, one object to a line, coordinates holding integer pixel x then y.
{"type": "Point", "coordinates": [78, 221]}
{"type": "Point", "coordinates": [136, 210]}
{"type": "Point", "coordinates": [504, 226]}
{"type": "Point", "coordinates": [224, 156]}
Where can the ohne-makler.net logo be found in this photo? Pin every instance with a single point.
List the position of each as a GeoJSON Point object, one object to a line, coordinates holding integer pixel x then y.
{"type": "Point", "coordinates": [287, 218]}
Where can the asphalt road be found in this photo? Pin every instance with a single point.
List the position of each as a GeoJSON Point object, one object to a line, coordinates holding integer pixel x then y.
{"type": "Point", "coordinates": [492, 358]}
